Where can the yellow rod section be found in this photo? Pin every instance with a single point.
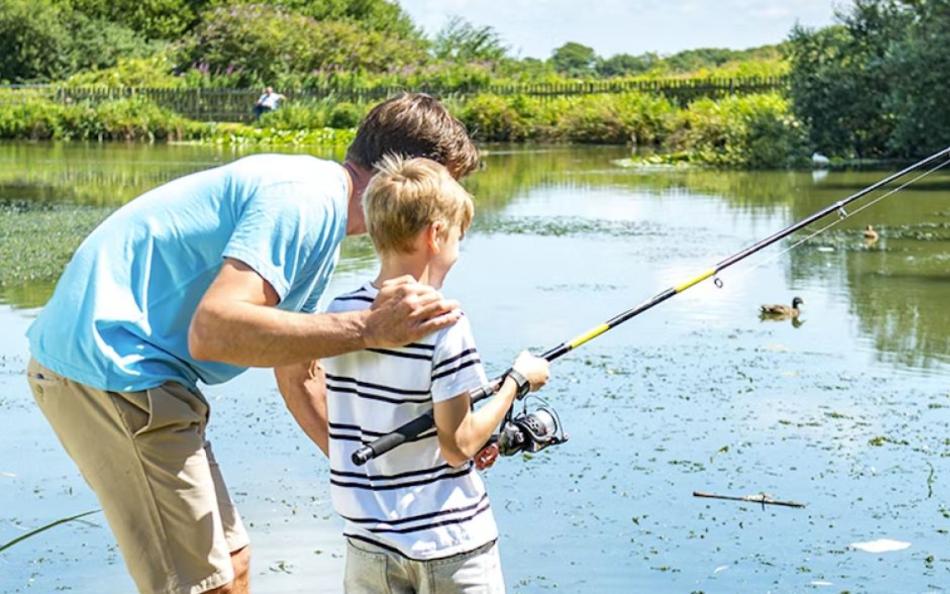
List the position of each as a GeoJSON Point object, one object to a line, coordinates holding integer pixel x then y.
{"type": "Point", "coordinates": [588, 336]}
{"type": "Point", "coordinates": [695, 280]}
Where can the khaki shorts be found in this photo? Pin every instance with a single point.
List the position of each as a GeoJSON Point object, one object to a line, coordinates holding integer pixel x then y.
{"type": "Point", "coordinates": [371, 569]}
{"type": "Point", "coordinates": [145, 456]}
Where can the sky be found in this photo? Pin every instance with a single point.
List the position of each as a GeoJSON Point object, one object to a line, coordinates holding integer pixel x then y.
{"type": "Point", "coordinates": [535, 27]}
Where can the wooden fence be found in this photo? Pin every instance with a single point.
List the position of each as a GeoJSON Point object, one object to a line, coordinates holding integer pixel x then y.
{"type": "Point", "coordinates": [235, 105]}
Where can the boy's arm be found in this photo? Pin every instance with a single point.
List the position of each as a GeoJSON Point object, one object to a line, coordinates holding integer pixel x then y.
{"type": "Point", "coordinates": [464, 432]}
{"type": "Point", "coordinates": [303, 387]}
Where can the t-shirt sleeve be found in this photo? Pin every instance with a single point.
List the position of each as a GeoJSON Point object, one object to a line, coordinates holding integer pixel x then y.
{"type": "Point", "coordinates": [270, 237]}
{"type": "Point", "coordinates": [456, 366]}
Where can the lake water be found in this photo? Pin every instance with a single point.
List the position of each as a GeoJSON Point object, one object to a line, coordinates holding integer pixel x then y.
{"type": "Point", "coordinates": [847, 411]}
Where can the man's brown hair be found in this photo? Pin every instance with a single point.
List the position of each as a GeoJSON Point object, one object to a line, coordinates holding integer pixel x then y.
{"type": "Point", "coordinates": [414, 125]}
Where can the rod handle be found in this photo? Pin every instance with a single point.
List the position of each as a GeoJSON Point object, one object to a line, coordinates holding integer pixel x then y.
{"type": "Point", "coordinates": [404, 433]}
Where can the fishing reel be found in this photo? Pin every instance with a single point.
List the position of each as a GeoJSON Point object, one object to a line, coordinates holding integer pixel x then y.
{"type": "Point", "coordinates": [530, 431]}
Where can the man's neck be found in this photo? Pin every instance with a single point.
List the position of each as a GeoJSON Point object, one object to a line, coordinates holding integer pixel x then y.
{"type": "Point", "coordinates": [359, 177]}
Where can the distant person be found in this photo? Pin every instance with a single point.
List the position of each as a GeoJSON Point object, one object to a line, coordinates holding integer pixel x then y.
{"type": "Point", "coordinates": [269, 101]}
{"type": "Point", "coordinates": [418, 518]}
{"type": "Point", "coordinates": [193, 282]}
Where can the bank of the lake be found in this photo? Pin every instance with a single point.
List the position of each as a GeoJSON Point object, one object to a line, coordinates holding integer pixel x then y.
{"type": "Point", "coordinates": [739, 131]}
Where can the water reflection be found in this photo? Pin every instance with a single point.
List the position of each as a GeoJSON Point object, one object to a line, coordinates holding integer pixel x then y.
{"type": "Point", "coordinates": [51, 196]}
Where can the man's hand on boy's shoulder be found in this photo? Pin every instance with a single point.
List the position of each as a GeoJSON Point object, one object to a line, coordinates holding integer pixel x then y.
{"type": "Point", "coordinates": [406, 310]}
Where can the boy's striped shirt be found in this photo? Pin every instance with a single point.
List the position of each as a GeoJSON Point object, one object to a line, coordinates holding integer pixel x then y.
{"type": "Point", "coordinates": [409, 499]}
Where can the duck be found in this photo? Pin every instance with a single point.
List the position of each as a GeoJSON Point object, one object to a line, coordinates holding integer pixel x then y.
{"type": "Point", "coordinates": [870, 234]}
{"type": "Point", "coordinates": [782, 311]}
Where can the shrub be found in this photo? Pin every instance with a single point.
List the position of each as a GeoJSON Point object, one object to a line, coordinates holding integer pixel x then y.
{"type": "Point", "coordinates": [133, 118]}
{"type": "Point", "coordinates": [619, 119]}
{"type": "Point", "coordinates": [295, 116]}
{"type": "Point", "coordinates": [494, 118]}
{"type": "Point", "coordinates": [345, 115]}
{"type": "Point", "coordinates": [756, 131]}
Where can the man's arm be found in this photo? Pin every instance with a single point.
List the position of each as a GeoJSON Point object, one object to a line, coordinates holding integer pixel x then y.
{"type": "Point", "coordinates": [236, 321]}
{"type": "Point", "coordinates": [304, 389]}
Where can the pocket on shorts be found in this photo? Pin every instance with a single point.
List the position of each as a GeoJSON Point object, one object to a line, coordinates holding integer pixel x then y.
{"type": "Point", "coordinates": [365, 569]}
{"type": "Point", "coordinates": [169, 407]}
{"type": "Point", "coordinates": [42, 380]}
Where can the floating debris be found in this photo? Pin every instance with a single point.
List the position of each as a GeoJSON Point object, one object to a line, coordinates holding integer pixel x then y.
{"type": "Point", "coordinates": [762, 498]}
{"type": "Point", "coordinates": [881, 545]}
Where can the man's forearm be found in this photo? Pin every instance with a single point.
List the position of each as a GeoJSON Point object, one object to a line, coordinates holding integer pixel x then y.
{"type": "Point", "coordinates": [250, 335]}
{"type": "Point", "coordinates": [304, 390]}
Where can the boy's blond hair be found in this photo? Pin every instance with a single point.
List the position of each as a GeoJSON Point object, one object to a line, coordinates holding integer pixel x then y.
{"type": "Point", "coordinates": [406, 196]}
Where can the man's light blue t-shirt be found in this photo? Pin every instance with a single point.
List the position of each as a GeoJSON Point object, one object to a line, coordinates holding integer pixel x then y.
{"type": "Point", "coordinates": [119, 317]}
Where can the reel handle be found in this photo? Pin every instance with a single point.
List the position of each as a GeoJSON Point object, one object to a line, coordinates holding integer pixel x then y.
{"type": "Point", "coordinates": [381, 445]}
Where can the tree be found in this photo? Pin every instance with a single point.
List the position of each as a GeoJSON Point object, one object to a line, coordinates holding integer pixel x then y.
{"type": "Point", "coordinates": [154, 19]}
{"type": "Point", "coordinates": [574, 59]}
{"type": "Point", "coordinates": [385, 16]}
{"type": "Point", "coordinates": [462, 42]}
{"type": "Point", "coordinates": [875, 84]}
{"type": "Point", "coordinates": [33, 41]}
{"type": "Point", "coordinates": [626, 64]}
{"type": "Point", "coordinates": [256, 44]}
{"type": "Point", "coordinates": [42, 41]}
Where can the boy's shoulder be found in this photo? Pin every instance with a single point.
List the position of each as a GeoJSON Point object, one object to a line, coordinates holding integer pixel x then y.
{"type": "Point", "coordinates": [457, 336]}
{"type": "Point", "coordinates": [361, 298]}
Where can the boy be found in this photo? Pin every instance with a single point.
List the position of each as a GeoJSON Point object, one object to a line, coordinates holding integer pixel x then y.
{"type": "Point", "coordinates": [417, 518]}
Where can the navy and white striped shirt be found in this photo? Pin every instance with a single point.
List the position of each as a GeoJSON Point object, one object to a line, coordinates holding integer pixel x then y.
{"type": "Point", "coordinates": [409, 499]}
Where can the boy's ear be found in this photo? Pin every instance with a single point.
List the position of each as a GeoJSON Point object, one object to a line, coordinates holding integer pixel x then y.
{"type": "Point", "coordinates": [435, 234]}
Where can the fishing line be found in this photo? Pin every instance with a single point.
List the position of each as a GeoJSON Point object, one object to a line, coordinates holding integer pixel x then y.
{"type": "Point", "coordinates": [771, 259]}
{"type": "Point", "coordinates": [424, 422]}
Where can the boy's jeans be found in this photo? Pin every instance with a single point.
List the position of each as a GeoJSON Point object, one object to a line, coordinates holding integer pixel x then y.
{"type": "Point", "coordinates": [375, 570]}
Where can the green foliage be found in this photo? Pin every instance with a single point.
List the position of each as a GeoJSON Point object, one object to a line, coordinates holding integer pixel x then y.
{"type": "Point", "coordinates": [461, 42]}
{"type": "Point", "coordinates": [311, 115]}
{"type": "Point", "coordinates": [384, 16]}
{"type": "Point", "coordinates": [155, 19]}
{"type": "Point", "coordinates": [494, 118]}
{"type": "Point", "coordinates": [755, 131]}
{"type": "Point", "coordinates": [920, 98]}
{"type": "Point", "coordinates": [874, 85]}
{"type": "Point", "coordinates": [295, 116]}
{"type": "Point", "coordinates": [619, 119]}
{"type": "Point", "coordinates": [345, 115]}
{"type": "Point", "coordinates": [240, 135]}
{"type": "Point", "coordinates": [121, 119]}
{"type": "Point", "coordinates": [154, 71]}
{"type": "Point", "coordinates": [257, 45]}
{"type": "Point", "coordinates": [626, 64]}
{"type": "Point", "coordinates": [594, 119]}
{"type": "Point", "coordinates": [34, 42]}
{"type": "Point", "coordinates": [41, 40]}
{"type": "Point", "coordinates": [574, 59]}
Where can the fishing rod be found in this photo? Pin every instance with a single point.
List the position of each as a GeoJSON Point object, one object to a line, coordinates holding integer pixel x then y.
{"type": "Point", "coordinates": [424, 422]}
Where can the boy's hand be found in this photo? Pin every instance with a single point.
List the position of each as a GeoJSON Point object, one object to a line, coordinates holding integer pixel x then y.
{"type": "Point", "coordinates": [406, 310]}
{"type": "Point", "coordinates": [534, 369]}
{"type": "Point", "coordinates": [486, 458]}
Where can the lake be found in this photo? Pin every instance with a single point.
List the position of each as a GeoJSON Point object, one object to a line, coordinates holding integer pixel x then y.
{"type": "Point", "coordinates": [847, 410]}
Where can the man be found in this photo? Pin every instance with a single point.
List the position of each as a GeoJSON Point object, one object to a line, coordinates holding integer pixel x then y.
{"type": "Point", "coordinates": [267, 102]}
{"type": "Point", "coordinates": [194, 282]}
